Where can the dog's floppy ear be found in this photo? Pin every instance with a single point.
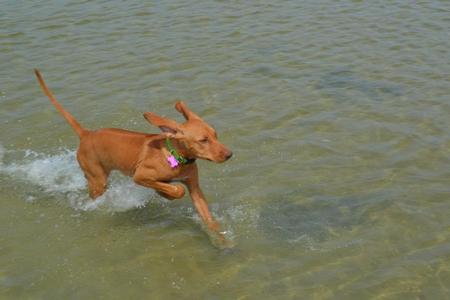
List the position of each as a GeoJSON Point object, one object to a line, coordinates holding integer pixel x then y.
{"type": "Point", "coordinates": [165, 124]}
{"type": "Point", "coordinates": [187, 113]}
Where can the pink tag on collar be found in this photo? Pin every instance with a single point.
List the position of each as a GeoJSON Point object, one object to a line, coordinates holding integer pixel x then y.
{"type": "Point", "coordinates": [172, 162]}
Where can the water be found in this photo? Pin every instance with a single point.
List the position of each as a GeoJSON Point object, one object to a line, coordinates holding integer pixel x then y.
{"type": "Point", "coordinates": [337, 113]}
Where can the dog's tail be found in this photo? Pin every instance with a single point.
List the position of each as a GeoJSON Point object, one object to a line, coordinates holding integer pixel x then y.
{"type": "Point", "coordinates": [69, 118]}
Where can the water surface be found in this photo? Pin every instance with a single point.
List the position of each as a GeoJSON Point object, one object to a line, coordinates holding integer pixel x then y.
{"type": "Point", "coordinates": [338, 114]}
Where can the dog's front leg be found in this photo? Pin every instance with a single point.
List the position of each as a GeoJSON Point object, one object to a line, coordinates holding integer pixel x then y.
{"type": "Point", "coordinates": [199, 201]}
{"type": "Point", "coordinates": [170, 191]}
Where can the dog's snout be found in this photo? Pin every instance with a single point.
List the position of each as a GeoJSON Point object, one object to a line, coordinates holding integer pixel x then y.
{"type": "Point", "coordinates": [229, 155]}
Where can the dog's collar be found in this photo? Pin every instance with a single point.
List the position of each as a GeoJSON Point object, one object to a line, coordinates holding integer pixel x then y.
{"type": "Point", "coordinates": [175, 159]}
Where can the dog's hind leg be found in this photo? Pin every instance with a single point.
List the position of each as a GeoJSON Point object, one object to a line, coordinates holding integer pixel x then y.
{"type": "Point", "coordinates": [97, 185]}
{"type": "Point", "coordinates": [95, 174]}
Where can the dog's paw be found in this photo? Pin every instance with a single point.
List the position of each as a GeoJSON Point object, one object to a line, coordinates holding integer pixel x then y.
{"type": "Point", "coordinates": [178, 191]}
{"type": "Point", "coordinates": [214, 226]}
{"type": "Point", "coordinates": [164, 195]}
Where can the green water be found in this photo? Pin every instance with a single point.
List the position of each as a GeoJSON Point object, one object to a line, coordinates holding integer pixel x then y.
{"type": "Point", "coordinates": [337, 112]}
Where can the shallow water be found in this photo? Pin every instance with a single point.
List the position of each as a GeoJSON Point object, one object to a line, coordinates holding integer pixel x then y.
{"type": "Point", "coordinates": [338, 114]}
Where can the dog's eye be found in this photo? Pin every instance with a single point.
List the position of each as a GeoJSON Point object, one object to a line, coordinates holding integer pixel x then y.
{"type": "Point", "coordinates": [204, 140]}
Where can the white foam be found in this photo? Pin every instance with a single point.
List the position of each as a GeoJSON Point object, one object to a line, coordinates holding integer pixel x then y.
{"type": "Point", "coordinates": [55, 173]}
{"type": "Point", "coordinates": [121, 195]}
{"type": "Point", "coordinates": [59, 175]}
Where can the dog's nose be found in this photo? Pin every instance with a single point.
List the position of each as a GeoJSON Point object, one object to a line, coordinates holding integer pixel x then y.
{"type": "Point", "coordinates": [229, 155]}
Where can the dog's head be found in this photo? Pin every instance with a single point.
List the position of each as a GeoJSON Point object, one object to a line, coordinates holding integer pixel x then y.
{"type": "Point", "coordinates": [199, 138]}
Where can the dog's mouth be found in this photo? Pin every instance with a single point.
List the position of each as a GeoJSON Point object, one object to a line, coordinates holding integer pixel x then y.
{"type": "Point", "coordinates": [209, 159]}
{"type": "Point", "coordinates": [219, 160]}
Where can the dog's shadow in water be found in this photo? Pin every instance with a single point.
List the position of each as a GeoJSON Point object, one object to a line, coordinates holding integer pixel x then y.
{"type": "Point", "coordinates": [293, 221]}
{"type": "Point", "coordinates": [177, 219]}
{"type": "Point", "coordinates": [289, 222]}
{"type": "Point", "coordinates": [154, 216]}
{"type": "Point", "coordinates": [338, 82]}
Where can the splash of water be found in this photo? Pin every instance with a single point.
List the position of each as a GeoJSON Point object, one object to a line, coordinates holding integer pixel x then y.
{"type": "Point", "coordinates": [59, 175]}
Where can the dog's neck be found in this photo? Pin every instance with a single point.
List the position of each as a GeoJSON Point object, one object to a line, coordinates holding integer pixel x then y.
{"type": "Point", "coordinates": [179, 151]}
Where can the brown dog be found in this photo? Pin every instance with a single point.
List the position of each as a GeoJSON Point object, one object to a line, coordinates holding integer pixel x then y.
{"type": "Point", "coordinates": [152, 160]}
